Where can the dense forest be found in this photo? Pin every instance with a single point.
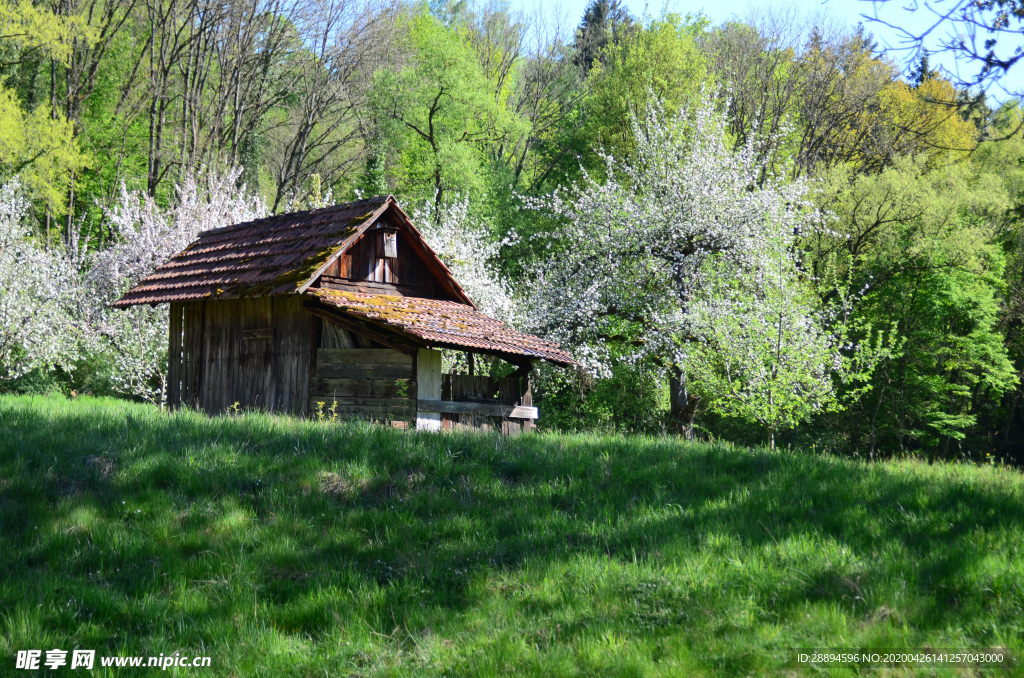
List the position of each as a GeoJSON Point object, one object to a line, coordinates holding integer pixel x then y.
{"type": "Point", "coordinates": [765, 231]}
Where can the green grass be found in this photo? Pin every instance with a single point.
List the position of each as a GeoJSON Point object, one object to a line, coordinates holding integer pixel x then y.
{"type": "Point", "coordinates": [282, 548]}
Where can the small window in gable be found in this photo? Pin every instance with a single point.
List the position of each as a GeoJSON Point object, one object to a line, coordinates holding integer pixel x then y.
{"type": "Point", "coordinates": [389, 243]}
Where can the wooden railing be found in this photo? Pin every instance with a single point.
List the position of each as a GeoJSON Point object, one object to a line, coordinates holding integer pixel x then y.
{"type": "Point", "coordinates": [482, 409]}
{"type": "Point", "coordinates": [484, 403]}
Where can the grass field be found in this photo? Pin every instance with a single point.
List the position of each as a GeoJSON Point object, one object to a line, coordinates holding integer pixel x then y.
{"type": "Point", "coordinates": [287, 548]}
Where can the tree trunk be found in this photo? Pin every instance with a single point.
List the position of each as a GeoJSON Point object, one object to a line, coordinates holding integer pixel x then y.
{"type": "Point", "coordinates": [1009, 421]}
{"type": "Point", "coordinates": [53, 89]}
{"type": "Point", "coordinates": [874, 423]}
{"type": "Point", "coordinates": [70, 222]}
{"type": "Point", "coordinates": [682, 404]}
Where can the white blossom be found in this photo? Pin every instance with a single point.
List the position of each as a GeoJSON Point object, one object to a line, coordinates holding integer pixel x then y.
{"type": "Point", "coordinates": [633, 252]}
{"type": "Point", "coordinates": [35, 284]}
{"type": "Point", "coordinates": [147, 235]}
{"type": "Point", "coordinates": [464, 243]}
{"type": "Point", "coordinates": [688, 251]}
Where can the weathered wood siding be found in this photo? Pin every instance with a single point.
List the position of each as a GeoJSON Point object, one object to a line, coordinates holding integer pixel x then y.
{"type": "Point", "coordinates": [377, 384]}
{"type": "Point", "coordinates": [174, 358]}
{"type": "Point", "coordinates": [254, 352]}
{"type": "Point", "coordinates": [365, 262]}
{"type": "Point", "coordinates": [191, 352]}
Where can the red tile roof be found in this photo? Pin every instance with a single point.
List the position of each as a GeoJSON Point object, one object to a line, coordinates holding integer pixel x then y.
{"type": "Point", "coordinates": [277, 255]}
{"type": "Point", "coordinates": [442, 324]}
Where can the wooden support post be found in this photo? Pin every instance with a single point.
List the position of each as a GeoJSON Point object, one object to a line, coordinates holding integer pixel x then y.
{"type": "Point", "coordinates": [472, 363]}
{"type": "Point", "coordinates": [527, 401]}
{"type": "Point", "coordinates": [428, 387]}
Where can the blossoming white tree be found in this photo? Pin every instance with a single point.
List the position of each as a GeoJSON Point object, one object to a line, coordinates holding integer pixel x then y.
{"type": "Point", "coordinates": [670, 254]}
{"type": "Point", "coordinates": [147, 236]}
{"type": "Point", "coordinates": [35, 285]}
{"type": "Point", "coordinates": [464, 243]}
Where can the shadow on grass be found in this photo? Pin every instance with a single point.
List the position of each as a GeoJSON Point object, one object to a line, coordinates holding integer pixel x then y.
{"type": "Point", "coordinates": [109, 503]}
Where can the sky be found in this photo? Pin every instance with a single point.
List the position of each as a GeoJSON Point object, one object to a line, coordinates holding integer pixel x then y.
{"type": "Point", "coordinates": [848, 12]}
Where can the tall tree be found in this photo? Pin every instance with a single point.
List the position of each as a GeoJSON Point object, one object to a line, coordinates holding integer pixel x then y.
{"type": "Point", "coordinates": [38, 141]}
{"type": "Point", "coordinates": [918, 242]}
{"type": "Point", "coordinates": [635, 251]}
{"type": "Point", "coordinates": [438, 112]}
{"type": "Point", "coordinates": [604, 23]}
{"type": "Point", "coordinates": [656, 60]}
{"type": "Point", "coordinates": [317, 130]}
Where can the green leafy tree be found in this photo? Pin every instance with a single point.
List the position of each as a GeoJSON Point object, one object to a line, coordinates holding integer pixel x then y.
{"type": "Point", "coordinates": [37, 142]}
{"type": "Point", "coordinates": [1000, 168]}
{"type": "Point", "coordinates": [921, 246]}
{"type": "Point", "coordinates": [658, 59]}
{"type": "Point", "coordinates": [774, 354]}
{"type": "Point", "coordinates": [438, 113]}
{"type": "Point", "coordinates": [39, 147]}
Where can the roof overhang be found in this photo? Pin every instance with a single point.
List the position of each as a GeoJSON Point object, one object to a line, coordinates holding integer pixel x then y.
{"type": "Point", "coordinates": [406, 323]}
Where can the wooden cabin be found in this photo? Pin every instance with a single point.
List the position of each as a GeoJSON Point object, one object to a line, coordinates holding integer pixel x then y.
{"type": "Point", "coordinates": [341, 311]}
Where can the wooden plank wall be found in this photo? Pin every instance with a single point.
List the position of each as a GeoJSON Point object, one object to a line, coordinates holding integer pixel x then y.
{"type": "Point", "coordinates": [237, 349]}
{"type": "Point", "coordinates": [292, 344]}
{"type": "Point", "coordinates": [259, 353]}
{"type": "Point", "coordinates": [364, 383]}
{"type": "Point", "coordinates": [254, 352]}
{"type": "Point", "coordinates": [192, 358]}
{"type": "Point", "coordinates": [482, 389]}
{"type": "Point", "coordinates": [363, 263]}
{"type": "Point", "coordinates": [174, 346]}
{"type": "Point", "coordinates": [515, 391]}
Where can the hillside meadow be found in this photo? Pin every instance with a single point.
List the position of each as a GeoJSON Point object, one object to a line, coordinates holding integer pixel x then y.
{"type": "Point", "coordinates": [280, 547]}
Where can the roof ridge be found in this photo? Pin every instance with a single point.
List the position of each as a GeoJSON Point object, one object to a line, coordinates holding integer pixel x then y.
{"type": "Point", "coordinates": [337, 207]}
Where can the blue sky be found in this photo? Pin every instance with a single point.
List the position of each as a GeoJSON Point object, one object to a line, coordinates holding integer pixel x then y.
{"type": "Point", "coordinates": [848, 12]}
